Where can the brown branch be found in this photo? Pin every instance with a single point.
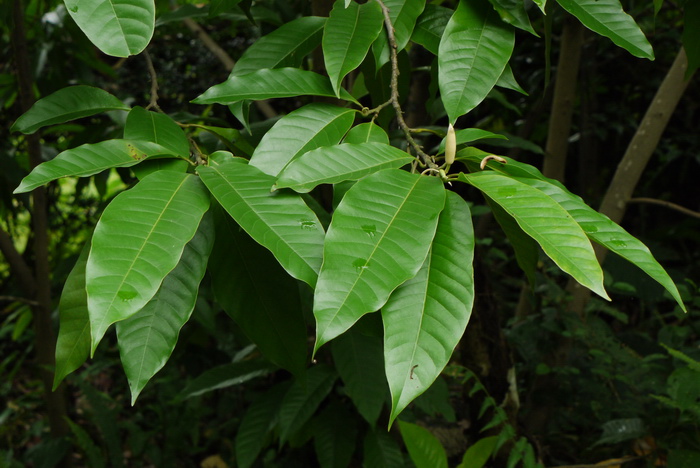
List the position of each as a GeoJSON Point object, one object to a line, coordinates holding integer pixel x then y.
{"type": "Point", "coordinates": [154, 83]}
{"type": "Point", "coordinates": [666, 204]}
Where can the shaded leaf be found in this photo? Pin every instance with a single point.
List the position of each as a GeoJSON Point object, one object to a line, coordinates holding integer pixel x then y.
{"type": "Point", "coordinates": [425, 450]}
{"type": "Point", "coordinates": [365, 133]}
{"type": "Point", "coordinates": [150, 166]}
{"type": "Point", "coordinates": [513, 12]}
{"type": "Point", "coordinates": [430, 27]}
{"type": "Point", "coordinates": [66, 104]}
{"type": "Point", "coordinates": [479, 453]}
{"type": "Point", "coordinates": [403, 14]}
{"type": "Point", "coordinates": [381, 450]}
{"type": "Point", "coordinates": [148, 338]}
{"type": "Point", "coordinates": [474, 51]}
{"type": "Point", "coordinates": [691, 38]}
{"type": "Point", "coordinates": [225, 376]}
{"type": "Point", "coordinates": [607, 18]}
{"type": "Point", "coordinates": [507, 80]}
{"type": "Point", "coordinates": [378, 238]}
{"type": "Point", "coordinates": [217, 7]}
{"type": "Point", "coordinates": [347, 37]}
{"type": "Point", "coordinates": [158, 128]}
{"type": "Point", "coordinates": [280, 221]}
{"type": "Point", "coordinates": [138, 240]}
{"type": "Point", "coordinates": [117, 27]}
{"type": "Point", "coordinates": [310, 127]}
{"type": "Point", "coordinates": [332, 164]}
{"type": "Point", "coordinates": [335, 434]}
{"type": "Point", "coordinates": [426, 316]}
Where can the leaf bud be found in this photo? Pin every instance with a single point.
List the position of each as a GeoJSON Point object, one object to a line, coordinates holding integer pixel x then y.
{"type": "Point", "coordinates": [450, 145]}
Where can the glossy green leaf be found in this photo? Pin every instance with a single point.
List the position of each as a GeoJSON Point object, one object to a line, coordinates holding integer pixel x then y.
{"type": "Point", "coordinates": [479, 453]}
{"type": "Point", "coordinates": [148, 338]}
{"type": "Point", "coordinates": [507, 80]}
{"type": "Point", "coordinates": [332, 164]}
{"type": "Point", "coordinates": [468, 135]}
{"type": "Point", "coordinates": [117, 27]}
{"type": "Point", "coordinates": [607, 18]}
{"type": "Point", "coordinates": [347, 37]}
{"type": "Point", "coordinates": [381, 450]}
{"type": "Point", "coordinates": [541, 4]}
{"type": "Point", "coordinates": [73, 342]}
{"type": "Point", "coordinates": [279, 221]}
{"type": "Point", "coordinates": [379, 237]}
{"type": "Point", "coordinates": [284, 47]}
{"type": "Point", "coordinates": [310, 127]}
{"type": "Point", "coordinates": [87, 160]}
{"type": "Point", "coordinates": [335, 434]}
{"type": "Point", "coordinates": [403, 14]}
{"type": "Point", "coordinates": [597, 226]}
{"type": "Point", "coordinates": [157, 128]}
{"type": "Point", "coordinates": [474, 51]}
{"type": "Point", "coordinates": [543, 219]}
{"type": "Point", "coordinates": [138, 240]}
{"type": "Point", "coordinates": [225, 376]}
{"type": "Point", "coordinates": [144, 168]}
{"type": "Point", "coordinates": [66, 104]}
{"type": "Point", "coordinates": [430, 27]}
{"type": "Point", "coordinates": [303, 398]}
{"type": "Point", "coordinates": [513, 12]}
{"type": "Point", "coordinates": [256, 423]}
{"type": "Point", "coordinates": [426, 316]}
{"type": "Point", "coordinates": [425, 450]}
{"type": "Point", "coordinates": [258, 294]}
{"type": "Point", "coordinates": [367, 132]}
{"type": "Point", "coordinates": [359, 361]}
{"type": "Point", "coordinates": [268, 84]}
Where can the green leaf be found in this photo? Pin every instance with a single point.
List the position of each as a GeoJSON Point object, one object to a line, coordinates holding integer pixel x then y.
{"type": "Point", "coordinates": [87, 160]}
{"type": "Point", "coordinates": [347, 37]}
{"type": "Point", "coordinates": [541, 5]}
{"type": "Point", "coordinates": [507, 80]}
{"type": "Point", "coordinates": [268, 84]}
{"type": "Point", "coordinates": [469, 135]}
{"type": "Point", "coordinates": [543, 219]}
{"type": "Point", "coordinates": [691, 38]}
{"type": "Point", "coordinates": [217, 7]}
{"type": "Point", "coordinates": [148, 338]}
{"type": "Point", "coordinates": [258, 295]}
{"type": "Point", "coordinates": [145, 168]}
{"type": "Point", "coordinates": [474, 51]}
{"type": "Point", "coordinates": [513, 12]}
{"type": "Point", "coordinates": [403, 14]}
{"type": "Point", "coordinates": [367, 132]}
{"type": "Point", "coordinates": [185, 11]}
{"type": "Point", "coordinates": [310, 127]}
{"type": "Point", "coordinates": [279, 221]}
{"type": "Point", "coordinates": [284, 47]}
{"type": "Point", "coordinates": [430, 27]}
{"type": "Point", "coordinates": [425, 450]}
{"type": "Point", "coordinates": [158, 128]}
{"type": "Point", "coordinates": [225, 376]}
{"type": "Point", "coordinates": [607, 18]}
{"type": "Point", "coordinates": [66, 104]}
{"type": "Point", "coordinates": [378, 238]}
{"type": "Point", "coordinates": [426, 316]}
{"type": "Point", "coordinates": [117, 27]}
{"type": "Point", "coordinates": [332, 164]}
{"type": "Point", "coordinates": [303, 398]}
{"type": "Point", "coordinates": [94, 455]}
{"type": "Point", "coordinates": [478, 454]}
{"type": "Point", "coordinates": [138, 240]}
{"type": "Point", "coordinates": [359, 361]}
{"type": "Point", "coordinates": [335, 434]}
{"type": "Point", "coordinates": [381, 451]}
{"type": "Point", "coordinates": [73, 342]}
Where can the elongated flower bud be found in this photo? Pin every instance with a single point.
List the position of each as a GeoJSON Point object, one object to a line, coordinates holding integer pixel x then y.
{"type": "Point", "coordinates": [450, 145]}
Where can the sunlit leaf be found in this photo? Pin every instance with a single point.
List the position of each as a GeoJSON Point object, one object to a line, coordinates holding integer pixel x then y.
{"type": "Point", "coordinates": [365, 133]}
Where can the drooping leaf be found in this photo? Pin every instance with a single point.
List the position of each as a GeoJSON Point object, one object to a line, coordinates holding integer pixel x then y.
{"type": "Point", "coordinates": [425, 450]}
{"type": "Point", "coordinates": [607, 18]}
{"type": "Point", "coordinates": [365, 133]}
{"type": "Point", "coordinates": [426, 316]}
{"type": "Point", "coordinates": [256, 423]}
{"type": "Point", "coordinates": [347, 37]}
{"type": "Point", "coordinates": [148, 338]}
{"type": "Point", "coordinates": [158, 128]}
{"type": "Point", "coordinates": [138, 240]}
{"type": "Point", "coordinates": [378, 238]}
{"type": "Point", "coordinates": [66, 104]}
{"type": "Point", "coordinates": [303, 398]}
{"type": "Point", "coordinates": [335, 431]}
{"type": "Point", "coordinates": [73, 342]}
{"type": "Point", "coordinates": [258, 294]}
{"type": "Point", "coordinates": [117, 27]}
{"type": "Point", "coordinates": [310, 127]}
{"type": "Point", "coordinates": [224, 376]}
{"type": "Point", "coordinates": [358, 359]}
{"type": "Point", "coordinates": [279, 221]}
{"type": "Point", "coordinates": [403, 15]}
{"type": "Point", "coordinates": [474, 51]}
{"type": "Point", "coordinates": [381, 450]}
{"type": "Point", "coordinates": [513, 12]}
{"type": "Point", "coordinates": [332, 164]}
{"type": "Point", "coordinates": [543, 219]}
{"type": "Point", "coordinates": [507, 80]}
{"type": "Point", "coordinates": [268, 84]}
{"type": "Point", "coordinates": [90, 159]}
{"type": "Point", "coordinates": [430, 27]}
{"type": "Point", "coordinates": [284, 47]}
